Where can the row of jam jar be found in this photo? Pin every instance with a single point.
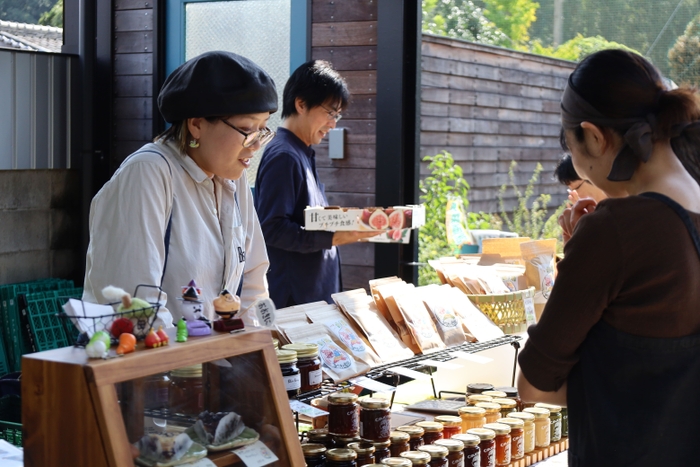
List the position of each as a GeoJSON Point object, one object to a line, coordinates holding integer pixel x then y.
{"type": "Point", "coordinates": [370, 418]}
{"type": "Point", "coordinates": [301, 368]}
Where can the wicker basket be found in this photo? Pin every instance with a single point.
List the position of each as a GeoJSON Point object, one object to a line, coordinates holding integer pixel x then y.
{"type": "Point", "coordinates": [506, 310]}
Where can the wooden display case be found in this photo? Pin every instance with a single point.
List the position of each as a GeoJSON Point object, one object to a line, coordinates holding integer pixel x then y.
{"type": "Point", "coordinates": [88, 413]}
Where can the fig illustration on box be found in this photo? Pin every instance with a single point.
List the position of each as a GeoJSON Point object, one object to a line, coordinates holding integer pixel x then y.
{"type": "Point", "coordinates": [396, 221]}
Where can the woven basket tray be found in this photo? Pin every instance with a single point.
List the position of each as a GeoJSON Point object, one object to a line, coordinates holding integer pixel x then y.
{"type": "Point", "coordinates": [506, 310]}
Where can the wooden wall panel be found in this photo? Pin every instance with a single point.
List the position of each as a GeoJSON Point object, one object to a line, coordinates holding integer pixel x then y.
{"type": "Point", "coordinates": [344, 34]}
{"type": "Point", "coordinates": [344, 10]}
{"type": "Point", "coordinates": [348, 58]}
{"type": "Point", "coordinates": [489, 106]}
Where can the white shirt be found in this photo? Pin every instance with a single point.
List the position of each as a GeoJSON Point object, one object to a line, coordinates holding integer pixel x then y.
{"type": "Point", "coordinates": [213, 244]}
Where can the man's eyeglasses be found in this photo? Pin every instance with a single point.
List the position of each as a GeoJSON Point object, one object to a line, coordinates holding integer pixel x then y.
{"type": "Point", "coordinates": [332, 114]}
{"type": "Point", "coordinates": [264, 135]}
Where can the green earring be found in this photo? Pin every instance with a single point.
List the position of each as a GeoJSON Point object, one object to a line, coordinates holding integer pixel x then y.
{"type": "Point", "coordinates": [194, 143]}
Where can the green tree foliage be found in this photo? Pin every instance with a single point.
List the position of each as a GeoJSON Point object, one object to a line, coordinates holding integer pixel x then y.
{"type": "Point", "coordinates": [577, 48]}
{"type": "Point", "coordinates": [25, 11]}
{"type": "Point", "coordinates": [461, 19]}
{"type": "Point", "coordinates": [53, 17]}
{"type": "Point", "coordinates": [684, 56]}
{"type": "Point", "coordinates": [513, 17]}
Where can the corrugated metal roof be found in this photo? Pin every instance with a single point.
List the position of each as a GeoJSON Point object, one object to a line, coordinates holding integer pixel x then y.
{"type": "Point", "coordinates": [30, 37]}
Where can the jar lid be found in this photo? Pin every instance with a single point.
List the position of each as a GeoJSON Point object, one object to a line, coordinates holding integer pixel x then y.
{"type": "Point", "coordinates": [471, 410]}
{"type": "Point", "coordinates": [193, 371]}
{"type": "Point", "coordinates": [313, 448]}
{"type": "Point", "coordinates": [432, 427]}
{"type": "Point", "coordinates": [524, 416]}
{"type": "Point", "coordinates": [474, 398]}
{"type": "Point", "coordinates": [436, 451]}
{"type": "Point", "coordinates": [342, 398]}
{"type": "Point", "coordinates": [413, 430]}
{"type": "Point", "coordinates": [490, 407]}
{"type": "Point", "coordinates": [499, 428]}
{"type": "Point", "coordinates": [551, 407]}
{"type": "Point", "coordinates": [374, 403]}
{"type": "Point", "coordinates": [361, 448]}
{"type": "Point", "coordinates": [345, 440]}
{"type": "Point", "coordinates": [286, 356]}
{"type": "Point", "coordinates": [397, 462]}
{"type": "Point", "coordinates": [416, 457]}
{"type": "Point", "coordinates": [478, 388]}
{"type": "Point", "coordinates": [338, 454]}
{"type": "Point", "coordinates": [303, 350]}
{"type": "Point", "coordinates": [382, 444]}
{"type": "Point", "coordinates": [399, 436]}
{"type": "Point", "coordinates": [452, 444]}
{"type": "Point", "coordinates": [510, 391]}
{"type": "Point", "coordinates": [275, 343]}
{"type": "Point", "coordinates": [448, 420]}
{"type": "Point", "coordinates": [494, 394]}
{"type": "Point", "coordinates": [507, 403]}
{"type": "Point", "coordinates": [512, 422]}
{"type": "Point", "coordinates": [317, 433]}
{"type": "Point", "coordinates": [538, 412]}
{"type": "Point", "coordinates": [467, 439]}
{"type": "Point", "coordinates": [482, 433]}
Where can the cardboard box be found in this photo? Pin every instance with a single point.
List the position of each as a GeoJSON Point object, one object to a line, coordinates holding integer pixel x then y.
{"type": "Point", "coordinates": [334, 218]}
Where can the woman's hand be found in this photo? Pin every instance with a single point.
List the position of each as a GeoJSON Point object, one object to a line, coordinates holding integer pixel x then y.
{"type": "Point", "coordinates": [352, 236]}
{"type": "Point", "coordinates": [570, 217]}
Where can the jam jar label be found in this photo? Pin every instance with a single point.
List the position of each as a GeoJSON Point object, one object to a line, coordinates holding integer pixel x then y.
{"type": "Point", "coordinates": [334, 357]}
{"type": "Point", "coordinates": [315, 377]}
{"type": "Point", "coordinates": [292, 382]}
{"type": "Point", "coordinates": [518, 446]}
{"type": "Point", "coordinates": [473, 459]}
{"type": "Point", "coordinates": [556, 430]}
{"type": "Point", "coordinates": [490, 453]}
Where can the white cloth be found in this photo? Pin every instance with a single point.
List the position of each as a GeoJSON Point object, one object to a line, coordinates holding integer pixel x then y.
{"type": "Point", "coordinates": [213, 244]}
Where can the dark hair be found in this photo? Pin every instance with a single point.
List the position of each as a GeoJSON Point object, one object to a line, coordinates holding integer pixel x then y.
{"type": "Point", "coordinates": [565, 172]}
{"type": "Point", "coordinates": [622, 84]}
{"type": "Point", "coordinates": [314, 82]}
{"type": "Point", "coordinates": [179, 133]}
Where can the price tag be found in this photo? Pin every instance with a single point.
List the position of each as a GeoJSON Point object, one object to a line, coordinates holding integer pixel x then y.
{"type": "Point", "coordinates": [400, 370]}
{"type": "Point", "coordinates": [265, 311]}
{"type": "Point", "coordinates": [372, 385]}
{"type": "Point", "coordinates": [306, 409]}
{"type": "Point", "coordinates": [471, 357]}
{"type": "Point", "coordinates": [200, 463]}
{"type": "Point", "coordinates": [530, 317]}
{"type": "Point", "coordinates": [256, 455]}
{"type": "Point", "coordinates": [439, 364]}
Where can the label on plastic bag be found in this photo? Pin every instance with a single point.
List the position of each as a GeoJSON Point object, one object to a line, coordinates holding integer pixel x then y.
{"type": "Point", "coordinates": [529, 310]}
{"type": "Point", "coordinates": [256, 455]}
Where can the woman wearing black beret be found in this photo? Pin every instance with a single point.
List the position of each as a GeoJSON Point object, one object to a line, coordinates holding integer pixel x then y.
{"type": "Point", "coordinates": [180, 208]}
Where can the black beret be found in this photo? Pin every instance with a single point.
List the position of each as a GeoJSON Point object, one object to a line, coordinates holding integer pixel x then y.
{"type": "Point", "coordinates": [216, 84]}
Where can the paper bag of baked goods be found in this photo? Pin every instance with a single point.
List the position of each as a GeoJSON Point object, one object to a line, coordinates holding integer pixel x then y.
{"type": "Point", "coordinates": [387, 294]}
{"type": "Point", "coordinates": [447, 322]}
{"type": "Point", "coordinates": [337, 364]}
{"type": "Point", "coordinates": [379, 300]}
{"type": "Point", "coordinates": [418, 319]}
{"type": "Point", "coordinates": [363, 311]}
{"type": "Point", "coordinates": [539, 269]}
{"type": "Point", "coordinates": [477, 323]}
{"type": "Point", "coordinates": [346, 333]}
{"type": "Point", "coordinates": [507, 248]}
{"type": "Point", "coordinates": [446, 294]}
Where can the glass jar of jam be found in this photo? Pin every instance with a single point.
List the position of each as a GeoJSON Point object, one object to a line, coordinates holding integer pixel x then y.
{"type": "Point", "coordinates": [472, 417]}
{"type": "Point", "coordinates": [341, 458]}
{"type": "Point", "coordinates": [507, 406]}
{"type": "Point", "coordinates": [344, 441]}
{"type": "Point", "coordinates": [455, 451]}
{"type": "Point", "coordinates": [156, 390]}
{"type": "Point", "coordinates": [416, 433]}
{"type": "Point", "coordinates": [186, 394]}
{"type": "Point", "coordinates": [487, 446]}
{"type": "Point", "coordinates": [309, 365]}
{"type": "Point", "coordinates": [517, 436]}
{"type": "Point", "coordinates": [542, 426]}
{"type": "Point", "coordinates": [314, 455]}
{"type": "Point", "coordinates": [476, 398]}
{"type": "Point", "coordinates": [375, 419]}
{"type": "Point", "coordinates": [365, 453]}
{"type": "Point", "coordinates": [528, 429]}
{"type": "Point", "coordinates": [381, 449]}
{"type": "Point", "coordinates": [564, 421]}
{"type": "Point", "coordinates": [438, 454]}
{"type": "Point", "coordinates": [555, 417]}
{"type": "Point", "coordinates": [495, 394]}
{"type": "Point", "coordinates": [399, 443]}
{"type": "Point", "coordinates": [472, 453]}
{"type": "Point", "coordinates": [290, 372]}
{"type": "Point", "coordinates": [275, 343]}
{"type": "Point", "coordinates": [417, 457]}
{"type": "Point", "coordinates": [343, 419]}
{"type": "Point", "coordinates": [320, 436]}
{"type": "Point", "coordinates": [394, 461]}
{"type": "Point", "coordinates": [502, 443]}
{"type": "Point", "coordinates": [451, 425]}
{"type": "Point", "coordinates": [512, 393]}
{"type": "Point", "coordinates": [433, 431]}
{"type": "Point", "coordinates": [493, 411]}
{"type": "Point", "coordinates": [478, 388]}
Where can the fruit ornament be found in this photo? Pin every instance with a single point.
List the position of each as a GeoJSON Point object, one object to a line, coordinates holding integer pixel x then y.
{"type": "Point", "coordinates": [127, 343]}
{"type": "Point", "coordinates": [152, 340]}
{"type": "Point", "coordinates": [163, 336]}
{"type": "Point", "coordinates": [120, 326]}
{"type": "Point", "coordinates": [99, 345]}
{"type": "Point", "coordinates": [181, 331]}
{"type": "Point", "coordinates": [132, 307]}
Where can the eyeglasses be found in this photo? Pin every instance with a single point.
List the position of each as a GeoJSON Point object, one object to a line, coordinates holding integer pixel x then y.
{"type": "Point", "coordinates": [332, 114]}
{"type": "Point", "coordinates": [264, 135]}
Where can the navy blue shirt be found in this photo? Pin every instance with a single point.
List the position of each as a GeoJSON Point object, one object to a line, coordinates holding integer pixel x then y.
{"type": "Point", "coordinates": [304, 265]}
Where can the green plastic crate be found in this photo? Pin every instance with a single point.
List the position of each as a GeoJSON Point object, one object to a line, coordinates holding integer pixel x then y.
{"type": "Point", "coordinates": [10, 420]}
{"type": "Point", "coordinates": [11, 432]}
{"type": "Point", "coordinates": [47, 328]}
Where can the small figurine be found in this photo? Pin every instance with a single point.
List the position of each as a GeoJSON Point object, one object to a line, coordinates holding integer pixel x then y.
{"type": "Point", "coordinates": [181, 331]}
{"type": "Point", "coordinates": [227, 305]}
{"type": "Point", "coordinates": [164, 339]}
{"type": "Point", "coordinates": [197, 324]}
{"type": "Point", "coordinates": [127, 343]}
{"type": "Point", "coordinates": [152, 340]}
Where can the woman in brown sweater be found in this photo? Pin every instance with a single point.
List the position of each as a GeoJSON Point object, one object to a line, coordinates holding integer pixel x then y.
{"type": "Point", "coordinates": [619, 339]}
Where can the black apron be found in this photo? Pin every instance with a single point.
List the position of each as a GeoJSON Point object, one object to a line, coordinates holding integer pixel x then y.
{"type": "Point", "coordinates": [633, 401]}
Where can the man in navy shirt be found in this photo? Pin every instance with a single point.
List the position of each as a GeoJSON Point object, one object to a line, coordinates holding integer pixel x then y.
{"type": "Point", "coordinates": [304, 265]}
